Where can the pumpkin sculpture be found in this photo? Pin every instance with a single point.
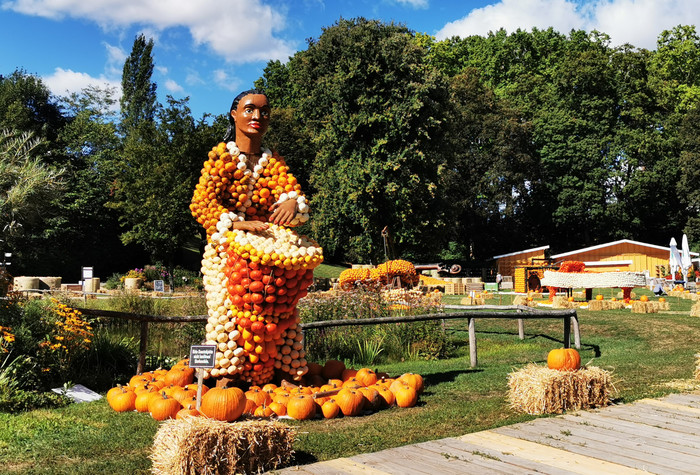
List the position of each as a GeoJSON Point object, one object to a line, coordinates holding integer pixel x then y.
{"type": "Point", "coordinates": [564, 359]}
{"type": "Point", "coordinates": [223, 404]}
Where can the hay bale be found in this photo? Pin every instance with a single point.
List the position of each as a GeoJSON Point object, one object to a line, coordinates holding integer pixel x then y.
{"type": "Point", "coordinates": [663, 305]}
{"type": "Point", "coordinates": [539, 390]}
{"type": "Point", "coordinates": [523, 300]}
{"type": "Point", "coordinates": [197, 445]}
{"type": "Point", "coordinates": [596, 305]}
{"type": "Point", "coordinates": [695, 310]}
{"type": "Point", "coordinates": [472, 301]}
{"type": "Point", "coordinates": [563, 302]}
{"type": "Point", "coordinates": [645, 307]}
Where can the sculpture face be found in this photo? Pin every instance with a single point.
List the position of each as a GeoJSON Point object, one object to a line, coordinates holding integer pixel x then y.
{"type": "Point", "coordinates": [252, 116]}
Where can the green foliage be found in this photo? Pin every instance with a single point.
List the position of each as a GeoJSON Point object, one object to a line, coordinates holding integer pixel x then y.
{"type": "Point", "coordinates": [372, 108]}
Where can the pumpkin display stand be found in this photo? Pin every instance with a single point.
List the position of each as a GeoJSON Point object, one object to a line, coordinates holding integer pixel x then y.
{"type": "Point", "coordinates": [537, 389]}
{"type": "Point", "coordinates": [195, 445]}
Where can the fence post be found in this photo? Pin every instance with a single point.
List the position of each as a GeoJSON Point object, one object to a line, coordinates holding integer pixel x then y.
{"type": "Point", "coordinates": [472, 342]}
{"type": "Point", "coordinates": [143, 345]}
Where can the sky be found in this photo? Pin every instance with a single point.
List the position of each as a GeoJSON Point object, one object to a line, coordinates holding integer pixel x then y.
{"type": "Point", "coordinates": [209, 50]}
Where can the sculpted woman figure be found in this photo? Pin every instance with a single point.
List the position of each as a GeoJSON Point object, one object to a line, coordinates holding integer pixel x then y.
{"type": "Point", "coordinates": [255, 268]}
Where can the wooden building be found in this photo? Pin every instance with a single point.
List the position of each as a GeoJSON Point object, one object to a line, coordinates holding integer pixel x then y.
{"type": "Point", "coordinates": [506, 263]}
{"type": "Point", "coordinates": [622, 255]}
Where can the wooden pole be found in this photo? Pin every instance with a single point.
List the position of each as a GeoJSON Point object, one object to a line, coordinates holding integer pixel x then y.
{"type": "Point", "coordinates": [567, 332]}
{"type": "Point", "coordinates": [472, 343]}
{"type": "Point", "coordinates": [143, 346]}
{"type": "Point", "coordinates": [200, 380]}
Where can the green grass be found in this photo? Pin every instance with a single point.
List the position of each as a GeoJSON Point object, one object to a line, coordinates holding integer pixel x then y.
{"type": "Point", "coordinates": [328, 271]}
{"type": "Point", "coordinates": [644, 352]}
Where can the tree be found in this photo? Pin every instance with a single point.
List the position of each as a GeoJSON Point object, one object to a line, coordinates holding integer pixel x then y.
{"type": "Point", "coordinates": [373, 109]}
{"type": "Point", "coordinates": [138, 102]}
{"type": "Point", "coordinates": [26, 183]}
{"type": "Point", "coordinates": [688, 188]}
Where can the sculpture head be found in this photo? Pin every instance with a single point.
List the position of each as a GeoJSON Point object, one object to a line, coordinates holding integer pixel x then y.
{"type": "Point", "coordinates": [249, 114]}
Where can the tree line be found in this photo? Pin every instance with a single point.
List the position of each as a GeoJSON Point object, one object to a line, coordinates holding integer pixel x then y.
{"type": "Point", "coordinates": [462, 149]}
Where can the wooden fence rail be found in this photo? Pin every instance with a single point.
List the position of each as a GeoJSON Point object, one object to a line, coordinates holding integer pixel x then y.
{"type": "Point", "coordinates": [519, 312]}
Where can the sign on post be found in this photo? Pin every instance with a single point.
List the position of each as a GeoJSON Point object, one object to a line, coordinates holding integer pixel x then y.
{"type": "Point", "coordinates": [201, 357]}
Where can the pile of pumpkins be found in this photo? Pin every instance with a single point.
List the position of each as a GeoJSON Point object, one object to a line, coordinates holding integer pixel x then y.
{"type": "Point", "coordinates": [382, 275]}
{"type": "Point", "coordinates": [333, 390]}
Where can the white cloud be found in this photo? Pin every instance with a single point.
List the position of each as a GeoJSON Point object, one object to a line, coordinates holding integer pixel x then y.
{"type": "Point", "coordinates": [237, 30]}
{"type": "Point", "coordinates": [63, 82]}
{"type": "Point", "coordinates": [223, 80]}
{"type": "Point", "coordinates": [413, 3]}
{"type": "Point", "coordinates": [638, 22]}
{"type": "Point", "coordinates": [172, 86]}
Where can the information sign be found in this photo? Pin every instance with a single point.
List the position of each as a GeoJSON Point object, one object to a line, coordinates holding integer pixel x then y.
{"type": "Point", "coordinates": [202, 356]}
{"type": "Point", "coordinates": [159, 286]}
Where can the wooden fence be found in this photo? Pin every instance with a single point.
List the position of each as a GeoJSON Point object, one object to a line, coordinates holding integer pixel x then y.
{"type": "Point", "coordinates": [521, 313]}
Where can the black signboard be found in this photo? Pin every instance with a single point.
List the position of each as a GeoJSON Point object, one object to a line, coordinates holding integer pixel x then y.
{"type": "Point", "coordinates": [202, 356]}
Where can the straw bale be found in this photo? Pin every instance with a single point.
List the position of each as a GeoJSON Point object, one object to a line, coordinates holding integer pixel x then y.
{"type": "Point", "coordinates": [563, 302]}
{"type": "Point", "coordinates": [596, 305]}
{"type": "Point", "coordinates": [522, 300]}
{"type": "Point", "coordinates": [696, 374]}
{"type": "Point", "coordinates": [695, 310]}
{"type": "Point", "coordinates": [472, 301]}
{"type": "Point", "coordinates": [663, 305]}
{"type": "Point", "coordinates": [645, 307]}
{"type": "Point", "coordinates": [537, 389]}
{"type": "Point", "coordinates": [199, 445]}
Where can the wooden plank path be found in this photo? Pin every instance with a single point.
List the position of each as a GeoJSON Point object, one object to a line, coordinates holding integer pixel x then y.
{"type": "Point", "coordinates": [648, 436]}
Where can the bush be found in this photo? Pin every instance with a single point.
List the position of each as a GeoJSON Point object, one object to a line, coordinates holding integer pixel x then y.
{"type": "Point", "coordinates": [15, 399]}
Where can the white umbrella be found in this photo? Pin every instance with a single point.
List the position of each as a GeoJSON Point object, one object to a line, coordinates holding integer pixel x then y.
{"type": "Point", "coordinates": [674, 260]}
{"type": "Point", "coordinates": [685, 256]}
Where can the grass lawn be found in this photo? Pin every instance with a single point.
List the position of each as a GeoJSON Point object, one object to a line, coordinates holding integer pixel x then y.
{"type": "Point", "coordinates": [650, 355]}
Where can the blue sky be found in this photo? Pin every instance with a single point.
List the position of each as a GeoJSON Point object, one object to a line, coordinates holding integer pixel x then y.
{"type": "Point", "coordinates": [208, 50]}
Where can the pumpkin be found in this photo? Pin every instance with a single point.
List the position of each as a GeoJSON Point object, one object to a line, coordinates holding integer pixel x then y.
{"type": "Point", "coordinates": [350, 401]}
{"type": "Point", "coordinates": [373, 401]}
{"type": "Point", "coordinates": [352, 382]}
{"type": "Point", "coordinates": [163, 407]}
{"type": "Point", "coordinates": [141, 401]}
{"type": "Point", "coordinates": [301, 407]}
{"type": "Point", "coordinates": [330, 409]}
{"type": "Point", "coordinates": [348, 373]}
{"type": "Point", "coordinates": [179, 376]}
{"type": "Point", "coordinates": [181, 394]}
{"type": "Point", "coordinates": [223, 404]}
{"type": "Point", "coordinates": [644, 298]}
{"type": "Point", "coordinates": [599, 297]}
{"type": "Point", "coordinates": [123, 401]}
{"type": "Point", "coordinates": [250, 407]}
{"type": "Point", "coordinates": [187, 412]}
{"type": "Point", "coordinates": [366, 377]}
{"type": "Point", "coordinates": [278, 408]}
{"type": "Point", "coordinates": [414, 380]}
{"type": "Point", "coordinates": [564, 359]}
{"type": "Point", "coordinates": [386, 395]}
{"type": "Point", "coordinates": [263, 411]}
{"type": "Point", "coordinates": [662, 300]}
{"type": "Point", "coordinates": [333, 369]}
{"type": "Point", "coordinates": [406, 396]}
{"type": "Point", "coordinates": [258, 396]}
{"type": "Point", "coordinates": [314, 369]}
{"type": "Point", "coordinates": [116, 390]}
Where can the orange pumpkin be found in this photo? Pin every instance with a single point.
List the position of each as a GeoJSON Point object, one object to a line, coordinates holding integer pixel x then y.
{"type": "Point", "coordinates": [599, 297]}
{"type": "Point", "coordinates": [301, 407]}
{"type": "Point", "coordinates": [278, 408]}
{"type": "Point", "coordinates": [406, 396]}
{"type": "Point", "coordinates": [179, 376]}
{"type": "Point", "coordinates": [330, 409]}
{"type": "Point", "coordinates": [564, 359]}
{"type": "Point", "coordinates": [123, 401]}
{"type": "Point", "coordinates": [163, 407]}
{"type": "Point", "coordinates": [644, 298]}
{"type": "Point", "coordinates": [223, 404]}
{"type": "Point", "coordinates": [414, 380]}
{"type": "Point", "coordinates": [141, 401]}
{"type": "Point", "coordinates": [333, 369]}
{"type": "Point", "coordinates": [350, 401]}
{"type": "Point", "coordinates": [366, 377]}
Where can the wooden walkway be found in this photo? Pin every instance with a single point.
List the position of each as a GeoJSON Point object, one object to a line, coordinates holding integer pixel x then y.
{"type": "Point", "coordinates": [648, 436]}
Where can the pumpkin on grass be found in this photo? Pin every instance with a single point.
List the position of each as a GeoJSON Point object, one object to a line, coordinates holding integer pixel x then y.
{"type": "Point", "coordinates": [223, 404]}
{"type": "Point", "coordinates": [414, 380]}
{"type": "Point", "coordinates": [163, 407]}
{"type": "Point", "coordinates": [301, 407]}
{"type": "Point", "coordinates": [330, 409]}
{"type": "Point", "coordinates": [122, 401]}
{"type": "Point", "coordinates": [564, 359]}
{"type": "Point", "coordinates": [406, 396]}
{"type": "Point", "coordinates": [350, 401]}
